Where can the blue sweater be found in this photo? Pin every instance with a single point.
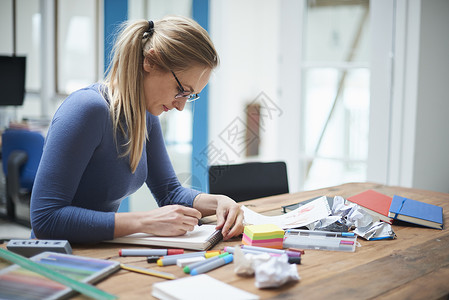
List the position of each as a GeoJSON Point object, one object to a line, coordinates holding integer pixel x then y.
{"type": "Point", "coordinates": [82, 178]}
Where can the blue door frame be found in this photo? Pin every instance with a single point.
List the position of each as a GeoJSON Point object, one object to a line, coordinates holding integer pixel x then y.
{"type": "Point", "coordinates": [200, 136]}
{"type": "Point", "coordinates": [116, 12]}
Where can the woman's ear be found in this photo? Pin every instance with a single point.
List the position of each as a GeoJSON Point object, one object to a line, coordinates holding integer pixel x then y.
{"type": "Point", "coordinates": [148, 63]}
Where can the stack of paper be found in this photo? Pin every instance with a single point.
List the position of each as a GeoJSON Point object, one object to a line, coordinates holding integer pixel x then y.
{"type": "Point", "coordinates": [199, 287]}
{"type": "Point", "coordinates": [265, 235]}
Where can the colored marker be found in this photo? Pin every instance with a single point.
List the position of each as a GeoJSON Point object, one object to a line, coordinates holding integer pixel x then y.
{"type": "Point", "coordinates": [148, 271]}
{"type": "Point", "coordinates": [324, 233]}
{"type": "Point", "coordinates": [232, 250]}
{"type": "Point", "coordinates": [152, 259]}
{"type": "Point", "coordinates": [342, 242]}
{"type": "Point", "coordinates": [182, 262]}
{"type": "Point", "coordinates": [210, 254]}
{"type": "Point", "coordinates": [297, 250]}
{"type": "Point", "coordinates": [171, 259]}
{"type": "Point", "coordinates": [270, 250]}
{"type": "Point", "coordinates": [294, 260]}
{"type": "Point", "coordinates": [149, 252]}
{"type": "Point", "coordinates": [212, 265]}
{"type": "Point", "coordinates": [197, 264]}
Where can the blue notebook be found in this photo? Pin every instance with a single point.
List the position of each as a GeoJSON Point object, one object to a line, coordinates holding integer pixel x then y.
{"type": "Point", "coordinates": [416, 212]}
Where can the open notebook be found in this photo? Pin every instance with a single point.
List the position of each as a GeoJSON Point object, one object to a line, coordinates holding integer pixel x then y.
{"type": "Point", "coordinates": [202, 237]}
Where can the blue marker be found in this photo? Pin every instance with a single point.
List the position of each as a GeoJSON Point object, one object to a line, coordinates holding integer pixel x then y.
{"type": "Point", "coordinates": [197, 264]}
{"type": "Point", "coordinates": [212, 265]}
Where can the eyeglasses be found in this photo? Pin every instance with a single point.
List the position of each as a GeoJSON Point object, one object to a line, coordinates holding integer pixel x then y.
{"type": "Point", "coordinates": [183, 93]}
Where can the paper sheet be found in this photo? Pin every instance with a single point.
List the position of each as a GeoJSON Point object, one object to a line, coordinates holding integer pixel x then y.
{"type": "Point", "coordinates": [302, 216]}
{"type": "Point", "coordinates": [199, 287]}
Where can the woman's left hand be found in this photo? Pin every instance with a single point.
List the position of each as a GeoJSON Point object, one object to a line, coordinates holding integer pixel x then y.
{"type": "Point", "coordinates": [229, 214]}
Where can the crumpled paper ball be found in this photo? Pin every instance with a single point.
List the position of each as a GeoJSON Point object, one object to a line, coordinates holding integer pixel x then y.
{"type": "Point", "coordinates": [275, 272]}
{"type": "Point", "coordinates": [270, 271]}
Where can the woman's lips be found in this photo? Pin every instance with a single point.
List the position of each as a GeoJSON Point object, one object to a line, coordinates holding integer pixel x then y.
{"type": "Point", "coordinates": [165, 108]}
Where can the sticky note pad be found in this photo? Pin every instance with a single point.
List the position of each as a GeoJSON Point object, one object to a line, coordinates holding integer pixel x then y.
{"type": "Point", "coordinates": [264, 231]}
{"type": "Point", "coordinates": [266, 235]}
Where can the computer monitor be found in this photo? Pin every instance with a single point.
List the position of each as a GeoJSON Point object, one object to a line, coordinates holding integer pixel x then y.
{"type": "Point", "coordinates": [12, 80]}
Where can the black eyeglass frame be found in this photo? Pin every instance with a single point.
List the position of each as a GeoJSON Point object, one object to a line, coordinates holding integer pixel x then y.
{"type": "Point", "coordinates": [190, 97]}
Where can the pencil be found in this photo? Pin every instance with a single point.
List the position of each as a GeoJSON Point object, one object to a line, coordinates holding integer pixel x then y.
{"type": "Point", "coordinates": [148, 271]}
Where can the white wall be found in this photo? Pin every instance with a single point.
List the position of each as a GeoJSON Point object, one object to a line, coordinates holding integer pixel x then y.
{"type": "Point", "coordinates": [431, 159]}
{"type": "Point", "coordinates": [288, 138]}
{"type": "Point", "coordinates": [246, 35]}
{"type": "Point", "coordinates": [409, 143]}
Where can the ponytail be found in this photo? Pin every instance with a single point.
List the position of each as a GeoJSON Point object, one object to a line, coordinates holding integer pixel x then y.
{"type": "Point", "coordinates": [178, 43]}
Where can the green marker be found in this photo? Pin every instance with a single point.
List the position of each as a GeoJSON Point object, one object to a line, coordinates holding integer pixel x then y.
{"type": "Point", "coordinates": [190, 267]}
{"type": "Point", "coordinates": [83, 288]}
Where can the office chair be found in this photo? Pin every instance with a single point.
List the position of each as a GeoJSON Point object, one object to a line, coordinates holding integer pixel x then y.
{"type": "Point", "coordinates": [21, 154]}
{"type": "Point", "coordinates": [249, 180]}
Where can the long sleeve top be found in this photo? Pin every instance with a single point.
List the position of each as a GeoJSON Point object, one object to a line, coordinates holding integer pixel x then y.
{"type": "Point", "coordinates": [83, 176]}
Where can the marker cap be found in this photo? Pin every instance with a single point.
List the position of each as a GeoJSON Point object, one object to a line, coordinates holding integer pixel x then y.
{"type": "Point", "coordinates": [347, 234]}
{"type": "Point", "coordinates": [211, 254]}
{"type": "Point", "coordinates": [294, 260]}
{"type": "Point", "coordinates": [175, 251]}
{"type": "Point", "coordinates": [228, 258]}
{"type": "Point", "coordinates": [152, 259]}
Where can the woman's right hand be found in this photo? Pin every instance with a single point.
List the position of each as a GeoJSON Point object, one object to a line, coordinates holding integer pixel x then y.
{"type": "Point", "coordinates": [169, 220]}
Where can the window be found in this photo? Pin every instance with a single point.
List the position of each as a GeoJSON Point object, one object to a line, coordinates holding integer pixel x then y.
{"type": "Point", "coordinates": [335, 87]}
{"type": "Point", "coordinates": [77, 45]}
{"type": "Point", "coordinates": [27, 36]}
{"type": "Point", "coordinates": [176, 126]}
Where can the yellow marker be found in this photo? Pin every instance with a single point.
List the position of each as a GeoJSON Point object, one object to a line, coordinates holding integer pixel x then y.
{"type": "Point", "coordinates": [211, 254]}
{"type": "Point", "coordinates": [172, 259]}
{"type": "Point", "coordinates": [148, 271]}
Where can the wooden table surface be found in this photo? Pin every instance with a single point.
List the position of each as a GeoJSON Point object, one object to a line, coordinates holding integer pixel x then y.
{"type": "Point", "coordinates": [415, 265]}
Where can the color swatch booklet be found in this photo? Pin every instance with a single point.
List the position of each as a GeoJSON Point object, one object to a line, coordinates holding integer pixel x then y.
{"type": "Point", "coordinates": [19, 283]}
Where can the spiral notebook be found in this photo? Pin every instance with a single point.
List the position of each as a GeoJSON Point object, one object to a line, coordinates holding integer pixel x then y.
{"type": "Point", "coordinates": [202, 237]}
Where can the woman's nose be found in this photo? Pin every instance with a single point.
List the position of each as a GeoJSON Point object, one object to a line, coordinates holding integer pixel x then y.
{"type": "Point", "coordinates": [180, 103]}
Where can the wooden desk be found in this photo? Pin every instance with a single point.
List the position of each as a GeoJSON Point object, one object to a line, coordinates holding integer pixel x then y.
{"type": "Point", "coordinates": [413, 266]}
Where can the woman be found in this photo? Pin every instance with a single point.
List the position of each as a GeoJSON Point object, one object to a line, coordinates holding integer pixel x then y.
{"type": "Point", "coordinates": [105, 141]}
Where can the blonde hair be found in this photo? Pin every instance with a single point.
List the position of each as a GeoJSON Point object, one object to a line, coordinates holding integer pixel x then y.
{"type": "Point", "coordinates": [178, 43]}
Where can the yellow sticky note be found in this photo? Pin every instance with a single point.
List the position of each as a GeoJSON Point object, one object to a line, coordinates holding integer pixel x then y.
{"type": "Point", "coordinates": [263, 232]}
